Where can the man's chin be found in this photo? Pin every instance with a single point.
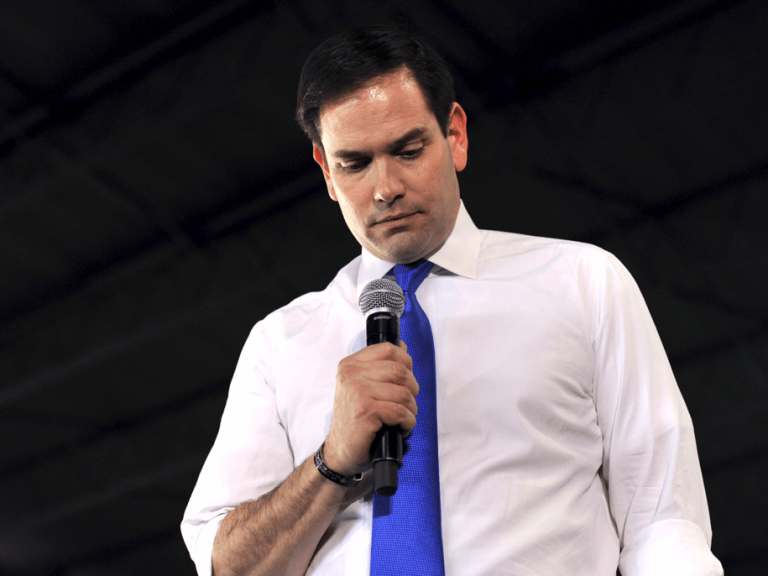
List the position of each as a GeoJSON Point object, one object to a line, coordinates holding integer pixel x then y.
{"type": "Point", "coordinates": [400, 250]}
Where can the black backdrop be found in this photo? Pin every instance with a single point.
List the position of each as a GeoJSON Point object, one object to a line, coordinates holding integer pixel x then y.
{"type": "Point", "coordinates": [156, 199]}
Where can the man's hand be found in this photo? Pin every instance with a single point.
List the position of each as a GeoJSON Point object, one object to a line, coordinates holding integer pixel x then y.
{"type": "Point", "coordinates": [279, 532]}
{"type": "Point", "coordinates": [374, 387]}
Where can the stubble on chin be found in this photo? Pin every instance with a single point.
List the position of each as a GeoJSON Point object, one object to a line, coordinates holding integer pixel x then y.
{"type": "Point", "coordinates": [400, 248]}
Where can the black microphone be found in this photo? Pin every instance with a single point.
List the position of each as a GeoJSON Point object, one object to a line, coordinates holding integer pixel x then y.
{"type": "Point", "coordinates": [383, 302]}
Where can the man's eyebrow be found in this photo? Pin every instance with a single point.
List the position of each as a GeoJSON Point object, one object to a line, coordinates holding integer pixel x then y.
{"type": "Point", "coordinates": [347, 154]}
{"type": "Point", "coordinates": [414, 134]}
{"type": "Point", "coordinates": [409, 136]}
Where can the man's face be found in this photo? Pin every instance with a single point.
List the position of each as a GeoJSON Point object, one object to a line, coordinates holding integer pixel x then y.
{"type": "Point", "coordinates": [388, 165]}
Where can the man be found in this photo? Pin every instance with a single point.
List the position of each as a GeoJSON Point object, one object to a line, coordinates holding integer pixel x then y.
{"type": "Point", "coordinates": [564, 445]}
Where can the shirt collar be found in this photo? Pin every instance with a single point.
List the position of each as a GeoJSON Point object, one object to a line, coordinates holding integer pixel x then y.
{"type": "Point", "coordinates": [458, 255]}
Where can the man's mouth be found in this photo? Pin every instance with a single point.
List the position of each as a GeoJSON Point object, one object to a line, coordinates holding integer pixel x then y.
{"type": "Point", "coordinates": [394, 218]}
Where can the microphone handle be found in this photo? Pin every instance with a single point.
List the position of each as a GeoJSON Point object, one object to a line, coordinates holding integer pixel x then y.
{"type": "Point", "coordinates": [387, 448]}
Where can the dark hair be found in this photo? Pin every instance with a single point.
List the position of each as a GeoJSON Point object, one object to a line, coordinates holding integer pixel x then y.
{"type": "Point", "coordinates": [349, 60]}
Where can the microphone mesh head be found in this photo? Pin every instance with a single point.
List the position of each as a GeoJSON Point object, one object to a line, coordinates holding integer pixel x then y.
{"type": "Point", "coordinates": [382, 293]}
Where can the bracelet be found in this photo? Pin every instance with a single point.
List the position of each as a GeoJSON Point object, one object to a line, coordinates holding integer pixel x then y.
{"type": "Point", "coordinates": [346, 481]}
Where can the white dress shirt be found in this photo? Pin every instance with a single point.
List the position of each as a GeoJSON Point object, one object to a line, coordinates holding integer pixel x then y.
{"type": "Point", "coordinates": [565, 446]}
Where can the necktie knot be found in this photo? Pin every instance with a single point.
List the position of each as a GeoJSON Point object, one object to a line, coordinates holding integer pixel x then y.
{"type": "Point", "coordinates": [410, 276]}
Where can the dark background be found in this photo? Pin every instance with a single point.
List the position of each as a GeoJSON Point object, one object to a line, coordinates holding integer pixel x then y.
{"type": "Point", "coordinates": [156, 200]}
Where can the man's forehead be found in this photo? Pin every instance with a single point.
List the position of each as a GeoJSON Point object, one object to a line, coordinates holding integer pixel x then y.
{"type": "Point", "coordinates": [387, 111]}
{"type": "Point", "coordinates": [378, 88]}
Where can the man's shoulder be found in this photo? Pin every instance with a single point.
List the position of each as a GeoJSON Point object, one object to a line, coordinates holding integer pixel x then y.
{"type": "Point", "coordinates": [342, 290]}
{"type": "Point", "coordinates": [514, 248]}
{"type": "Point", "coordinates": [553, 262]}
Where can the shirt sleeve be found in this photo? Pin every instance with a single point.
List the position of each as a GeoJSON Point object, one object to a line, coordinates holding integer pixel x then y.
{"type": "Point", "coordinates": [251, 454]}
{"type": "Point", "coordinates": [650, 462]}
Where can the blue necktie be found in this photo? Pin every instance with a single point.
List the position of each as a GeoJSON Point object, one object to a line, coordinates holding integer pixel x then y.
{"type": "Point", "coordinates": [407, 534]}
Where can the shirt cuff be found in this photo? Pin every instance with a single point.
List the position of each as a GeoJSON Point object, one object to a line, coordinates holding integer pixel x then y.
{"type": "Point", "coordinates": [202, 552]}
{"type": "Point", "coordinates": [670, 548]}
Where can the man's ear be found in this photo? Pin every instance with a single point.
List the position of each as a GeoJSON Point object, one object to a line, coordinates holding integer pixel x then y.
{"type": "Point", "coordinates": [319, 156]}
{"type": "Point", "coordinates": [457, 136]}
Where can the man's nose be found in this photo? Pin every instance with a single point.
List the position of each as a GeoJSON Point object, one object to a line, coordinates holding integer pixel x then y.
{"type": "Point", "coordinates": [388, 185]}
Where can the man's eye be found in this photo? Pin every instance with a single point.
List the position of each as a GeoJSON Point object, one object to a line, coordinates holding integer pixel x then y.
{"type": "Point", "coordinates": [354, 166]}
{"type": "Point", "coordinates": [411, 153]}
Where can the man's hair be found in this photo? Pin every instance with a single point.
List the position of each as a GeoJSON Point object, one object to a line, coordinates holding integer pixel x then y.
{"type": "Point", "coordinates": [348, 61]}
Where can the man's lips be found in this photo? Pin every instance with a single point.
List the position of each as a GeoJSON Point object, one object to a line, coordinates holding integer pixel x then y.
{"type": "Point", "coordinates": [394, 218]}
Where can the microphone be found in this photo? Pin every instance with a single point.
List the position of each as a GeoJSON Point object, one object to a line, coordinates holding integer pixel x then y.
{"type": "Point", "coordinates": [382, 301]}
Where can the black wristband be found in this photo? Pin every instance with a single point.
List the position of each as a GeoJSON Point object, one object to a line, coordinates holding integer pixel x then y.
{"type": "Point", "coordinates": [346, 481]}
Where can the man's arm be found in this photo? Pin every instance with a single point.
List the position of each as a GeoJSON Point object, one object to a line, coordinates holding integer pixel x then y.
{"type": "Point", "coordinates": [279, 532]}
{"type": "Point", "coordinates": [650, 465]}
